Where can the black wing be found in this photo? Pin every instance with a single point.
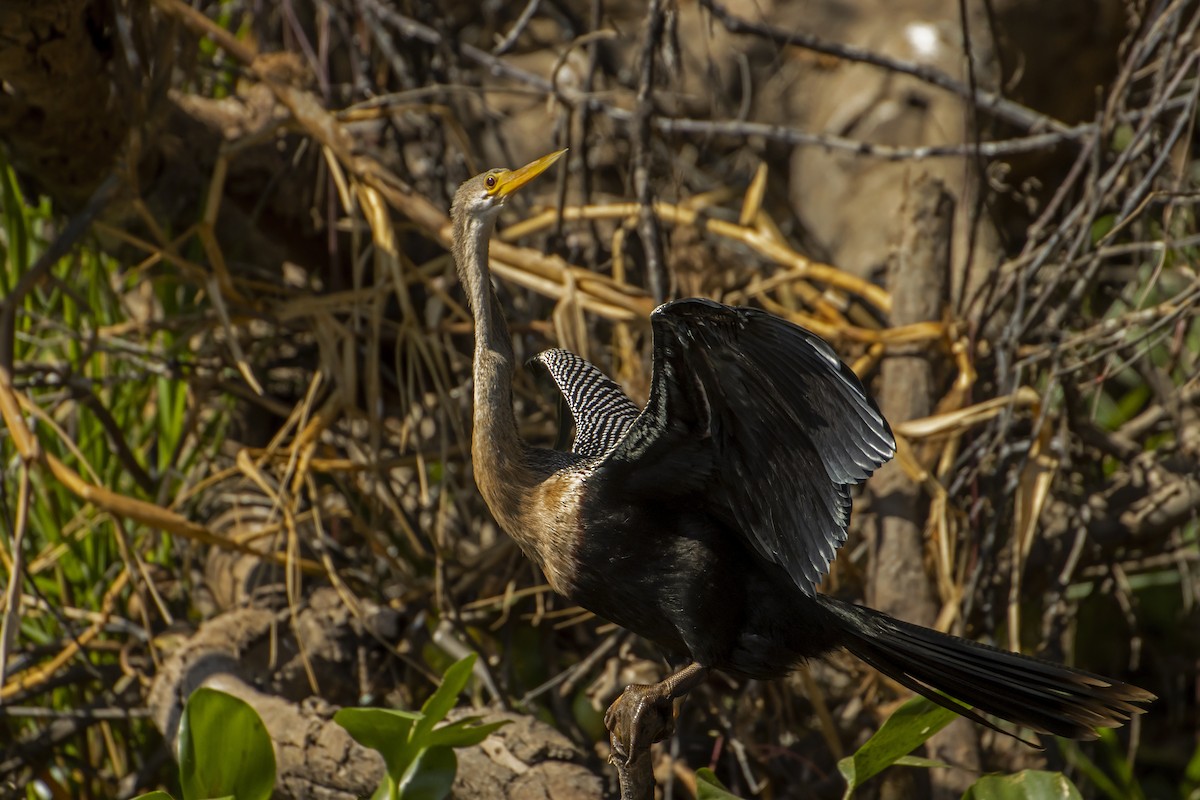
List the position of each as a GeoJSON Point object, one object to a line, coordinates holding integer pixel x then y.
{"type": "Point", "coordinates": [759, 419]}
{"type": "Point", "coordinates": [601, 411]}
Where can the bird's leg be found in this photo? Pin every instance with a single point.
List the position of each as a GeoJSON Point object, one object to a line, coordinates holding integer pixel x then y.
{"type": "Point", "coordinates": [645, 714]}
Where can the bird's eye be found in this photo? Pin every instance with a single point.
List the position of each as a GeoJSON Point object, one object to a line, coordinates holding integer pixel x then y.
{"type": "Point", "coordinates": [490, 181]}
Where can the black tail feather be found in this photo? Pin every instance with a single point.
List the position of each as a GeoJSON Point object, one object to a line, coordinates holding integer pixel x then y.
{"type": "Point", "coordinates": [1046, 697]}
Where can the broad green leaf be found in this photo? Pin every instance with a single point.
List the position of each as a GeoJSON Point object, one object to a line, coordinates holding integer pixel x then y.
{"type": "Point", "coordinates": [445, 698]}
{"type": "Point", "coordinates": [709, 788]}
{"type": "Point", "coordinates": [464, 733]}
{"type": "Point", "coordinates": [386, 790]}
{"type": "Point", "coordinates": [224, 749]}
{"type": "Point", "coordinates": [420, 759]}
{"type": "Point", "coordinates": [904, 731]}
{"type": "Point", "coordinates": [383, 729]}
{"type": "Point", "coordinates": [1030, 784]}
{"type": "Point", "coordinates": [429, 776]}
{"type": "Point", "coordinates": [154, 796]}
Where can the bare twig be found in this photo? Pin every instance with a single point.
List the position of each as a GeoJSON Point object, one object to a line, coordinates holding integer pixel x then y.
{"type": "Point", "coordinates": [647, 220]}
{"type": "Point", "coordinates": [793, 136]}
{"type": "Point", "coordinates": [518, 28]}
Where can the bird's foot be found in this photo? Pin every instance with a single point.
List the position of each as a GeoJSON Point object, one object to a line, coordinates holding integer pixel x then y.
{"type": "Point", "coordinates": [642, 715]}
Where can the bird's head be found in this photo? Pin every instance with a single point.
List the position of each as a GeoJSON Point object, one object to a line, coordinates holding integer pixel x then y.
{"type": "Point", "coordinates": [482, 196]}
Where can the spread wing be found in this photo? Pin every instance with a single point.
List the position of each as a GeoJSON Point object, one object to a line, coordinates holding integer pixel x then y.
{"type": "Point", "coordinates": [601, 411]}
{"type": "Point", "coordinates": [760, 421]}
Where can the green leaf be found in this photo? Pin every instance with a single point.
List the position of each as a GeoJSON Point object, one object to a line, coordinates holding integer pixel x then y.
{"type": "Point", "coordinates": [224, 749]}
{"type": "Point", "coordinates": [445, 698]}
{"type": "Point", "coordinates": [1122, 136]}
{"type": "Point", "coordinates": [1030, 784]}
{"type": "Point", "coordinates": [420, 759]}
{"type": "Point", "coordinates": [1089, 769]}
{"type": "Point", "coordinates": [429, 776]}
{"type": "Point", "coordinates": [384, 729]}
{"type": "Point", "coordinates": [589, 718]}
{"type": "Point", "coordinates": [16, 223]}
{"type": "Point", "coordinates": [918, 761]}
{"type": "Point", "coordinates": [709, 788]}
{"type": "Point", "coordinates": [1192, 771]}
{"type": "Point", "coordinates": [464, 733]}
{"type": "Point", "coordinates": [154, 796]}
{"type": "Point", "coordinates": [904, 731]}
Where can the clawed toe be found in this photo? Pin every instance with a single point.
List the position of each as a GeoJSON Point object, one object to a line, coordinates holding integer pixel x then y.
{"type": "Point", "coordinates": [641, 716]}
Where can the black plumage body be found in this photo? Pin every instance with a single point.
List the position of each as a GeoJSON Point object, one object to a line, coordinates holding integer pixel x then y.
{"type": "Point", "coordinates": [680, 578]}
{"type": "Point", "coordinates": [705, 522]}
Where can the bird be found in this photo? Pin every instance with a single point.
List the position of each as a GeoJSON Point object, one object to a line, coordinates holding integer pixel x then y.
{"type": "Point", "coordinates": [705, 520]}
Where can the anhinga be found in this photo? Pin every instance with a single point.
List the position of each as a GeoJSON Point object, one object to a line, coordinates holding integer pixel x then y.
{"type": "Point", "coordinates": [705, 521]}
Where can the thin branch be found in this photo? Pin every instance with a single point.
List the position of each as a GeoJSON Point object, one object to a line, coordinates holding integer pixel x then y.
{"type": "Point", "coordinates": [518, 28]}
{"type": "Point", "coordinates": [648, 229]}
{"type": "Point", "coordinates": [788, 135]}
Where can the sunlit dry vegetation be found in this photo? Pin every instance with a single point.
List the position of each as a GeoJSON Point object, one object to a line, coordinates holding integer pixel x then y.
{"type": "Point", "coordinates": [235, 373]}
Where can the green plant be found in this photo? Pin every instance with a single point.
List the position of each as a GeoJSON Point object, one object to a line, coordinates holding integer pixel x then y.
{"type": "Point", "coordinates": [910, 726]}
{"type": "Point", "coordinates": [1028, 784]}
{"type": "Point", "coordinates": [1117, 781]}
{"type": "Point", "coordinates": [420, 758]}
{"type": "Point", "coordinates": [907, 729]}
{"type": "Point", "coordinates": [1190, 790]}
{"type": "Point", "coordinates": [81, 350]}
{"type": "Point", "coordinates": [224, 750]}
{"type": "Point", "coordinates": [709, 788]}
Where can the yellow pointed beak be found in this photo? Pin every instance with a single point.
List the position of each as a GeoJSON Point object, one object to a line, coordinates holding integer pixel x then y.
{"type": "Point", "coordinates": [514, 180]}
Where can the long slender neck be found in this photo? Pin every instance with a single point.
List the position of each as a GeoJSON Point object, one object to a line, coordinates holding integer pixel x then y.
{"type": "Point", "coordinates": [496, 448]}
{"type": "Point", "coordinates": [471, 236]}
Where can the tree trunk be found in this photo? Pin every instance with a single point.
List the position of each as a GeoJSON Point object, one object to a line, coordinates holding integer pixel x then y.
{"type": "Point", "coordinates": [919, 280]}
